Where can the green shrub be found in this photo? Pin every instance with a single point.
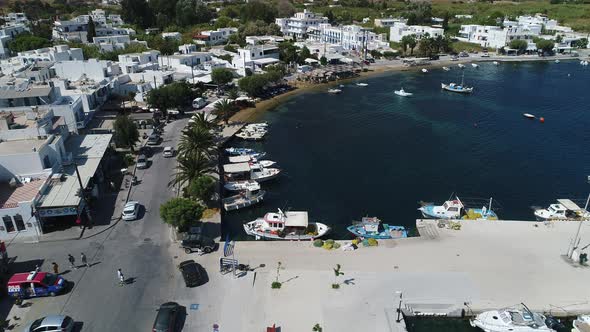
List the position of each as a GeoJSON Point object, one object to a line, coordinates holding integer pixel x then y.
{"type": "Point", "coordinates": [356, 242]}
{"type": "Point", "coordinates": [318, 243]}
{"type": "Point", "coordinates": [275, 285]}
{"type": "Point", "coordinates": [372, 243]}
{"type": "Point", "coordinates": [129, 160]}
{"type": "Point", "coordinates": [336, 245]}
{"type": "Point", "coordinates": [330, 241]}
{"type": "Point", "coordinates": [327, 246]}
{"type": "Point", "coordinates": [335, 286]}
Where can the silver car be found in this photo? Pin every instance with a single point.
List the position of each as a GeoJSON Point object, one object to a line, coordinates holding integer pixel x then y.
{"type": "Point", "coordinates": [51, 323]}
{"type": "Point", "coordinates": [142, 162]}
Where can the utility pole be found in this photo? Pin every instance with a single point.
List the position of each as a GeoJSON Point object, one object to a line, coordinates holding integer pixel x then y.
{"type": "Point", "coordinates": [83, 193]}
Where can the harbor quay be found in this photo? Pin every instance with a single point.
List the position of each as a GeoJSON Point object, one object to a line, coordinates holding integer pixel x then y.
{"type": "Point", "coordinates": [484, 265]}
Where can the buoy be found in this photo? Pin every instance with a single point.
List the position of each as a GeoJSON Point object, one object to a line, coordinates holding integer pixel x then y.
{"type": "Point", "coordinates": [475, 124]}
{"type": "Point", "coordinates": [542, 119]}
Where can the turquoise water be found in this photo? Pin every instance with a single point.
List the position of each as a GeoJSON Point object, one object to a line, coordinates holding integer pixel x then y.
{"type": "Point", "coordinates": [370, 152]}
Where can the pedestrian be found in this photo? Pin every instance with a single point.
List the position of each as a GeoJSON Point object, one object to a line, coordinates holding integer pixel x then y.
{"type": "Point", "coordinates": [72, 261]}
{"type": "Point", "coordinates": [84, 260]}
{"type": "Point", "coordinates": [121, 277]}
{"type": "Point", "coordinates": [55, 268]}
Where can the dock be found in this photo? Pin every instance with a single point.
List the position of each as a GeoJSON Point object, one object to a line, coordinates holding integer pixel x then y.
{"type": "Point", "coordinates": [228, 131]}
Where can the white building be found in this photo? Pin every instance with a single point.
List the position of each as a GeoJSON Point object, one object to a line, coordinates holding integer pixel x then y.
{"type": "Point", "coordinates": [399, 30]}
{"type": "Point", "coordinates": [75, 30]}
{"type": "Point", "coordinates": [50, 54]}
{"type": "Point", "coordinates": [388, 22]}
{"type": "Point", "coordinates": [172, 35]}
{"type": "Point", "coordinates": [112, 43]}
{"type": "Point", "coordinates": [139, 62]}
{"type": "Point", "coordinates": [7, 33]}
{"type": "Point", "coordinates": [255, 57]}
{"type": "Point", "coordinates": [298, 24]}
{"type": "Point", "coordinates": [494, 36]}
{"type": "Point", "coordinates": [258, 40]}
{"type": "Point", "coordinates": [16, 18]}
{"type": "Point", "coordinates": [185, 63]}
{"type": "Point", "coordinates": [187, 48]}
{"type": "Point", "coordinates": [214, 37]}
{"type": "Point", "coordinates": [350, 37]}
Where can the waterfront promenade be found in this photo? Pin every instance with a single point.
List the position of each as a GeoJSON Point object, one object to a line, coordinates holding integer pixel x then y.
{"type": "Point", "coordinates": [485, 264]}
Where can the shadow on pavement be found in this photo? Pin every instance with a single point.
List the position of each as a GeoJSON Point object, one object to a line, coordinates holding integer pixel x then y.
{"type": "Point", "coordinates": [78, 326]}
{"type": "Point", "coordinates": [181, 319]}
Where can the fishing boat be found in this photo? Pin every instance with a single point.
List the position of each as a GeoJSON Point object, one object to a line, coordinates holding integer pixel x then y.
{"type": "Point", "coordinates": [564, 209]}
{"type": "Point", "coordinates": [402, 93]}
{"type": "Point", "coordinates": [290, 225]}
{"type": "Point", "coordinates": [249, 171]}
{"type": "Point", "coordinates": [528, 116]}
{"type": "Point", "coordinates": [461, 66]}
{"type": "Point", "coordinates": [334, 91]}
{"type": "Point", "coordinates": [458, 88]}
{"type": "Point", "coordinates": [474, 65]}
{"type": "Point", "coordinates": [581, 324]}
{"type": "Point", "coordinates": [239, 151]}
{"type": "Point", "coordinates": [249, 159]}
{"type": "Point", "coordinates": [256, 126]}
{"type": "Point", "coordinates": [424, 70]}
{"type": "Point", "coordinates": [250, 185]}
{"type": "Point", "coordinates": [251, 136]}
{"type": "Point", "coordinates": [260, 174]}
{"type": "Point", "coordinates": [446, 68]}
{"type": "Point", "coordinates": [496, 63]}
{"type": "Point", "coordinates": [362, 84]}
{"type": "Point", "coordinates": [371, 227]}
{"type": "Point", "coordinates": [511, 319]}
{"type": "Point", "coordinates": [243, 199]}
{"type": "Point", "coordinates": [455, 209]}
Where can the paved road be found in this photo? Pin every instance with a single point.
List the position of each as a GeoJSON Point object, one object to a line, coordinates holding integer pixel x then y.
{"type": "Point", "coordinates": [142, 249]}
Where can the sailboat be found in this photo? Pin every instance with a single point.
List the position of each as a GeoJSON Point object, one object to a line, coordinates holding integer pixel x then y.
{"type": "Point", "coordinates": [459, 88]}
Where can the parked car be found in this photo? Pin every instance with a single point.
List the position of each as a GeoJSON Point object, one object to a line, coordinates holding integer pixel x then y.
{"type": "Point", "coordinates": [51, 323]}
{"type": "Point", "coordinates": [191, 273]}
{"type": "Point", "coordinates": [35, 284]}
{"type": "Point", "coordinates": [199, 103]}
{"type": "Point", "coordinates": [130, 211]}
{"type": "Point", "coordinates": [166, 317]}
{"type": "Point", "coordinates": [168, 152]}
{"type": "Point", "coordinates": [153, 139]}
{"type": "Point", "coordinates": [197, 242]}
{"type": "Point", "coordinates": [142, 162]}
{"type": "Point", "coordinates": [485, 55]}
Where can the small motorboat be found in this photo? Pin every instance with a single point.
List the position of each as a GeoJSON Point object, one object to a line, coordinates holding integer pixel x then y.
{"type": "Point", "coordinates": [250, 185]}
{"type": "Point", "coordinates": [496, 63]}
{"type": "Point", "coordinates": [290, 225]}
{"type": "Point", "coordinates": [424, 70]}
{"type": "Point", "coordinates": [239, 151]}
{"type": "Point", "coordinates": [529, 116]}
{"type": "Point", "coordinates": [564, 209]}
{"type": "Point", "coordinates": [446, 68]}
{"type": "Point", "coordinates": [334, 91]}
{"type": "Point", "coordinates": [362, 84]}
{"type": "Point", "coordinates": [474, 65]}
{"type": "Point", "coordinates": [511, 319]}
{"type": "Point", "coordinates": [461, 66]}
{"type": "Point", "coordinates": [371, 227]}
{"type": "Point", "coordinates": [251, 136]}
{"type": "Point", "coordinates": [557, 61]}
{"type": "Point", "coordinates": [402, 93]}
{"type": "Point", "coordinates": [243, 199]}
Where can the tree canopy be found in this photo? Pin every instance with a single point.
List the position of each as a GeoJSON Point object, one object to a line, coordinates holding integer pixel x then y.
{"type": "Point", "coordinates": [181, 212]}
{"type": "Point", "coordinates": [175, 95]}
{"type": "Point", "coordinates": [27, 42]}
{"type": "Point", "coordinates": [201, 188]}
{"type": "Point", "coordinates": [545, 45]}
{"type": "Point", "coordinates": [519, 44]}
{"type": "Point", "coordinates": [91, 33]}
{"type": "Point", "coordinates": [126, 133]}
{"type": "Point", "coordinates": [221, 76]}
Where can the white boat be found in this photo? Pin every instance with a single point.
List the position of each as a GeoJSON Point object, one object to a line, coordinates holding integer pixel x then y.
{"type": "Point", "coordinates": [446, 68]}
{"type": "Point", "coordinates": [513, 320]}
{"type": "Point", "coordinates": [461, 66]}
{"type": "Point", "coordinates": [424, 70]}
{"type": "Point", "coordinates": [334, 91]}
{"type": "Point", "coordinates": [256, 126]}
{"type": "Point", "coordinates": [251, 136]}
{"type": "Point", "coordinates": [474, 65]}
{"type": "Point", "coordinates": [454, 209]}
{"type": "Point", "coordinates": [528, 115]}
{"type": "Point", "coordinates": [557, 61]}
{"type": "Point", "coordinates": [458, 88]}
{"type": "Point", "coordinates": [261, 174]}
{"type": "Point", "coordinates": [496, 63]}
{"type": "Point", "coordinates": [250, 185]}
{"type": "Point", "coordinates": [402, 93]}
{"type": "Point", "coordinates": [245, 171]}
{"type": "Point", "coordinates": [290, 225]}
{"type": "Point", "coordinates": [362, 84]}
{"type": "Point", "coordinates": [243, 199]}
{"type": "Point", "coordinates": [564, 209]}
{"type": "Point", "coordinates": [250, 159]}
{"type": "Point", "coordinates": [581, 324]}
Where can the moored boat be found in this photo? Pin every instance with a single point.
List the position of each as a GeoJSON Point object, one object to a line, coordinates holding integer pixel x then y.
{"type": "Point", "coordinates": [461, 66]}
{"type": "Point", "coordinates": [244, 152]}
{"type": "Point", "coordinates": [371, 227]}
{"type": "Point", "coordinates": [496, 63]}
{"type": "Point", "coordinates": [458, 88]}
{"type": "Point", "coordinates": [446, 68]}
{"type": "Point", "coordinates": [557, 61]}
{"type": "Point", "coordinates": [249, 171]}
{"type": "Point", "coordinates": [251, 135]}
{"type": "Point", "coordinates": [290, 225]}
{"type": "Point", "coordinates": [362, 84]}
{"type": "Point", "coordinates": [511, 319]}
{"type": "Point", "coordinates": [581, 324]}
{"type": "Point", "coordinates": [424, 70]}
{"type": "Point", "coordinates": [250, 185]}
{"type": "Point", "coordinates": [474, 65]}
{"type": "Point", "coordinates": [243, 199]}
{"type": "Point", "coordinates": [564, 209]}
{"type": "Point", "coordinates": [402, 93]}
{"type": "Point", "coordinates": [455, 209]}
{"type": "Point", "coordinates": [334, 91]}
{"type": "Point", "coordinates": [528, 115]}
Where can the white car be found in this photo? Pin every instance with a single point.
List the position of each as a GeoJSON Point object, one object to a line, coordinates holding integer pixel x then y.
{"type": "Point", "coordinates": [168, 152]}
{"type": "Point", "coordinates": [130, 211]}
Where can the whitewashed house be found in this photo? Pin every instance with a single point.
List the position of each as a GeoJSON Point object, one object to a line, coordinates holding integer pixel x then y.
{"type": "Point", "coordinates": [300, 22]}
{"type": "Point", "coordinates": [399, 30]}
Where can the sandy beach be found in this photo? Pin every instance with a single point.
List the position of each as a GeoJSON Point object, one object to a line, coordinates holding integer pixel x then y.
{"type": "Point", "coordinates": [251, 114]}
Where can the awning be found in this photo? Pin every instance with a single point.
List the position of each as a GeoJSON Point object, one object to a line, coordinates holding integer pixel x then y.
{"type": "Point", "coordinates": [240, 159]}
{"type": "Point", "coordinates": [569, 204]}
{"type": "Point", "coordinates": [236, 168]}
{"type": "Point", "coordinates": [296, 219]}
{"type": "Point", "coordinates": [265, 61]}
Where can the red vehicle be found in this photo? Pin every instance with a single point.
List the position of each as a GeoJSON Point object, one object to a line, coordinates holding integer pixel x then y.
{"type": "Point", "coordinates": [35, 284]}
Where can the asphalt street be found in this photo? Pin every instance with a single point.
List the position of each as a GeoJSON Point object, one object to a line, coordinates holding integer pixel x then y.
{"type": "Point", "coordinates": [141, 248]}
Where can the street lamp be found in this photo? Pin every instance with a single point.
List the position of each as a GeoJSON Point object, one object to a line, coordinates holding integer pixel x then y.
{"type": "Point", "coordinates": [399, 308]}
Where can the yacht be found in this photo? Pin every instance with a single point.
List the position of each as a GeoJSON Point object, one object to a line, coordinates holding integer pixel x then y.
{"type": "Point", "coordinates": [371, 227]}
{"type": "Point", "coordinates": [455, 209]}
{"type": "Point", "coordinates": [402, 93]}
{"type": "Point", "coordinates": [250, 185]}
{"type": "Point", "coordinates": [511, 320]}
{"type": "Point", "coordinates": [458, 88]}
{"type": "Point", "coordinates": [290, 225]}
{"type": "Point", "coordinates": [564, 209]}
{"type": "Point", "coordinates": [243, 199]}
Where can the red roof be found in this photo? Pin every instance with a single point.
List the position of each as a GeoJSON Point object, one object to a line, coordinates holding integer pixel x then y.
{"type": "Point", "coordinates": [18, 278]}
{"type": "Point", "coordinates": [199, 36]}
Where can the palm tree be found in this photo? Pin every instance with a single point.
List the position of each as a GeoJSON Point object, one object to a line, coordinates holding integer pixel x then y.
{"type": "Point", "coordinates": [202, 120]}
{"type": "Point", "coordinates": [197, 139]}
{"type": "Point", "coordinates": [412, 42]}
{"type": "Point", "coordinates": [191, 166]}
{"type": "Point", "coordinates": [224, 110]}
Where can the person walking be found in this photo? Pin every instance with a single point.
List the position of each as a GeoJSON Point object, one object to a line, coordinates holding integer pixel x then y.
{"type": "Point", "coordinates": [72, 261]}
{"type": "Point", "coordinates": [55, 268]}
{"type": "Point", "coordinates": [121, 277]}
{"type": "Point", "coordinates": [84, 260]}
